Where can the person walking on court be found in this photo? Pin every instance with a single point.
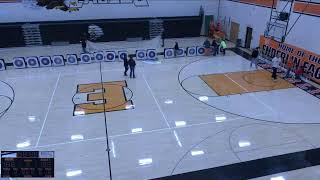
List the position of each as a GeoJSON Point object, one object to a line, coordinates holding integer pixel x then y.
{"type": "Point", "coordinates": [83, 40]}
{"type": "Point", "coordinates": [126, 65]}
{"type": "Point", "coordinates": [276, 61]}
{"type": "Point", "coordinates": [289, 68]}
{"type": "Point", "coordinates": [132, 65]}
{"type": "Point", "coordinates": [223, 46]}
{"type": "Point", "coordinates": [254, 57]}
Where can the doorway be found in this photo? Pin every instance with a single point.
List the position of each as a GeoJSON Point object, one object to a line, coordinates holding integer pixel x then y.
{"type": "Point", "coordinates": [208, 19]}
{"type": "Point", "coordinates": [247, 43]}
{"type": "Point", "coordinates": [234, 32]}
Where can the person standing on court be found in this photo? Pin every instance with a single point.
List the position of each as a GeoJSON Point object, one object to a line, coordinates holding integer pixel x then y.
{"type": "Point", "coordinates": [223, 46]}
{"type": "Point", "coordinates": [215, 47]}
{"type": "Point", "coordinates": [289, 68]}
{"type": "Point", "coordinates": [176, 49]}
{"type": "Point", "coordinates": [299, 72]}
{"type": "Point", "coordinates": [206, 46]}
{"type": "Point", "coordinates": [83, 40]}
{"type": "Point", "coordinates": [126, 65]}
{"type": "Point", "coordinates": [162, 38]}
{"type": "Point", "coordinates": [254, 57]}
{"type": "Point", "coordinates": [132, 65]}
{"type": "Point", "coordinates": [276, 61]}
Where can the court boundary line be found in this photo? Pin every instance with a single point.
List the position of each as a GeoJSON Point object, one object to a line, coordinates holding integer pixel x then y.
{"type": "Point", "coordinates": [48, 110]}
{"type": "Point", "coordinates": [157, 103]}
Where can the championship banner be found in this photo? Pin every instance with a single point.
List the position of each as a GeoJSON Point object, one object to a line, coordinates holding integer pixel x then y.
{"type": "Point", "coordinates": [300, 57]}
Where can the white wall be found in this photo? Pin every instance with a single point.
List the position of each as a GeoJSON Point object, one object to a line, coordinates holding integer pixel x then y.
{"type": "Point", "coordinates": [246, 15]}
{"type": "Point", "coordinates": [305, 33]}
{"type": "Point", "coordinates": [17, 12]}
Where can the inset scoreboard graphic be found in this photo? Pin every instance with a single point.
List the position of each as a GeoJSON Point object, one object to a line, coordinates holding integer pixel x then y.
{"type": "Point", "coordinates": [16, 164]}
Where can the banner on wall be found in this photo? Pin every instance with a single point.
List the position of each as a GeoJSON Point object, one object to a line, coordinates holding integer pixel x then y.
{"type": "Point", "coordinates": [300, 57]}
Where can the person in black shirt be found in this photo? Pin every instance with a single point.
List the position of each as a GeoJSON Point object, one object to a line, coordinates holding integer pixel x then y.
{"type": "Point", "coordinates": [132, 65]}
{"type": "Point", "coordinates": [126, 65]}
{"type": "Point", "coordinates": [214, 45]}
{"type": "Point", "coordinates": [176, 48]}
{"type": "Point", "coordinates": [162, 38]}
{"type": "Point", "coordinates": [254, 57]}
{"type": "Point", "coordinates": [83, 40]}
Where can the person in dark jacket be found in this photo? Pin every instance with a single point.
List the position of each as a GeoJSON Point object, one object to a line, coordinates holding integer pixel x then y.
{"type": "Point", "coordinates": [132, 65]}
{"type": "Point", "coordinates": [254, 57]}
{"type": "Point", "coordinates": [83, 40]}
{"type": "Point", "coordinates": [215, 47]}
{"type": "Point", "coordinates": [126, 65]}
{"type": "Point", "coordinates": [207, 45]}
{"type": "Point", "coordinates": [176, 48]}
{"type": "Point", "coordinates": [162, 38]}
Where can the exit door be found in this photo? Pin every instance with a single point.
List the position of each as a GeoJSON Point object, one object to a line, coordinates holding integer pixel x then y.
{"type": "Point", "coordinates": [247, 43]}
{"type": "Point", "coordinates": [234, 32]}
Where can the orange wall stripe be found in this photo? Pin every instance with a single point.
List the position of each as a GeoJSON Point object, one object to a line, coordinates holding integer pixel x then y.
{"type": "Point", "coordinates": [266, 3]}
{"type": "Point", "coordinates": [303, 7]}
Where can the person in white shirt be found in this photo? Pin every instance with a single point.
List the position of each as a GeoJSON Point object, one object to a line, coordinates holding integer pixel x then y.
{"type": "Point", "coordinates": [276, 61]}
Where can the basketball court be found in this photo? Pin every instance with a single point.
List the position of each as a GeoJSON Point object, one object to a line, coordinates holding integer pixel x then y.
{"type": "Point", "coordinates": [179, 115]}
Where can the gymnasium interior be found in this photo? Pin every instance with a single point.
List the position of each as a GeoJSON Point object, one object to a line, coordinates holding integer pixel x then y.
{"type": "Point", "coordinates": [160, 89]}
